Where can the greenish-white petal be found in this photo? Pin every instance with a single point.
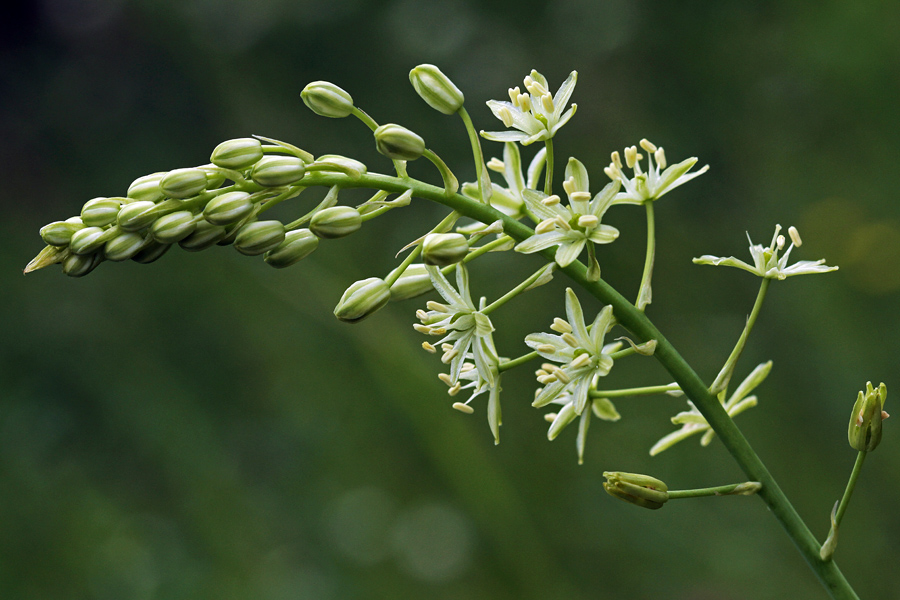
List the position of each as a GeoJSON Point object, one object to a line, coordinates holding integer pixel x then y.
{"type": "Point", "coordinates": [605, 409]}
{"type": "Point", "coordinates": [569, 250]}
{"type": "Point", "coordinates": [604, 234]}
{"type": "Point", "coordinates": [536, 243]}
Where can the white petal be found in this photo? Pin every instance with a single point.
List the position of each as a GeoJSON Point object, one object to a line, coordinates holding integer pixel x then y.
{"type": "Point", "coordinates": [604, 234]}
{"type": "Point", "coordinates": [504, 136]}
{"type": "Point", "coordinates": [536, 243]}
{"type": "Point", "coordinates": [536, 167]}
{"type": "Point", "coordinates": [575, 316]}
{"type": "Point", "coordinates": [569, 250]}
{"type": "Point", "coordinates": [443, 286]}
{"type": "Point", "coordinates": [673, 438]}
{"type": "Point", "coordinates": [561, 98]}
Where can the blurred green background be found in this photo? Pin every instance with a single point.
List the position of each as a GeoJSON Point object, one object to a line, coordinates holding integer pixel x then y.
{"type": "Point", "coordinates": [202, 427]}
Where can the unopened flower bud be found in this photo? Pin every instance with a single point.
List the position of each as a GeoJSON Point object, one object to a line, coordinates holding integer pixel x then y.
{"type": "Point", "coordinates": [237, 154]}
{"type": "Point", "coordinates": [228, 208]}
{"type": "Point", "coordinates": [259, 237]}
{"type": "Point", "coordinates": [79, 265]}
{"type": "Point", "coordinates": [296, 246]}
{"type": "Point", "coordinates": [214, 179]}
{"type": "Point", "coordinates": [136, 215]}
{"type": "Point", "coordinates": [362, 299]}
{"type": "Point", "coordinates": [415, 281]}
{"type": "Point", "coordinates": [59, 233]}
{"type": "Point", "coordinates": [100, 211]}
{"type": "Point", "coordinates": [442, 249]}
{"type": "Point", "coordinates": [327, 100]}
{"type": "Point", "coordinates": [87, 240]}
{"type": "Point", "coordinates": [203, 236]}
{"type": "Point", "coordinates": [183, 183]}
{"type": "Point", "coordinates": [641, 490]}
{"type": "Point", "coordinates": [436, 89]}
{"type": "Point", "coordinates": [173, 227]}
{"type": "Point", "coordinates": [123, 246]}
{"type": "Point", "coordinates": [147, 188]}
{"type": "Point", "coordinates": [864, 432]}
{"type": "Point", "coordinates": [398, 143]}
{"type": "Point", "coordinates": [335, 222]}
{"type": "Point", "coordinates": [151, 251]}
{"type": "Point", "coordinates": [276, 171]}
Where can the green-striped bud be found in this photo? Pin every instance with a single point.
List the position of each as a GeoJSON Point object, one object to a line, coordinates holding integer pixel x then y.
{"type": "Point", "coordinates": [123, 246]}
{"type": "Point", "coordinates": [296, 246]}
{"type": "Point", "coordinates": [259, 237]}
{"type": "Point", "coordinates": [183, 183]}
{"type": "Point", "coordinates": [237, 154]}
{"type": "Point", "coordinates": [136, 215]}
{"type": "Point", "coordinates": [436, 89]}
{"type": "Point", "coordinates": [864, 432]}
{"type": "Point", "coordinates": [203, 236]}
{"type": "Point", "coordinates": [415, 281]}
{"type": "Point", "coordinates": [79, 265]}
{"type": "Point", "coordinates": [87, 240]}
{"type": "Point", "coordinates": [59, 233]}
{"type": "Point", "coordinates": [335, 222]}
{"type": "Point", "coordinates": [100, 211]}
{"type": "Point", "coordinates": [275, 171]}
{"type": "Point", "coordinates": [173, 227]}
{"type": "Point", "coordinates": [641, 490]}
{"type": "Point", "coordinates": [339, 164]}
{"type": "Point", "coordinates": [147, 188]}
{"type": "Point", "coordinates": [398, 143]}
{"type": "Point", "coordinates": [214, 179]}
{"type": "Point", "coordinates": [362, 299]}
{"type": "Point", "coordinates": [228, 208]}
{"type": "Point", "coordinates": [151, 251]}
{"type": "Point", "coordinates": [327, 100]}
{"type": "Point", "coordinates": [442, 249]}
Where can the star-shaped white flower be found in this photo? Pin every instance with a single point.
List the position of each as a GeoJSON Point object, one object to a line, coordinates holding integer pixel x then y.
{"type": "Point", "coordinates": [581, 351]}
{"type": "Point", "coordinates": [571, 227]}
{"type": "Point", "coordinates": [509, 199]}
{"type": "Point", "coordinates": [536, 115]}
{"type": "Point", "coordinates": [652, 184]}
{"type": "Point", "coordinates": [767, 262]}
{"type": "Point", "coordinates": [692, 422]}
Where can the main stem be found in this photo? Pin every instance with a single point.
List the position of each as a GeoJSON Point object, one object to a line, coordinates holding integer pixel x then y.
{"type": "Point", "coordinates": [637, 322]}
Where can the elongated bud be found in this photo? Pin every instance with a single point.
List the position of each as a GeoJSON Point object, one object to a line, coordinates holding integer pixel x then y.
{"type": "Point", "coordinates": [136, 215]}
{"type": "Point", "coordinates": [864, 432]}
{"type": "Point", "coordinates": [204, 236]}
{"type": "Point", "coordinates": [415, 281]}
{"type": "Point", "coordinates": [228, 208]}
{"type": "Point", "coordinates": [151, 251]}
{"type": "Point", "coordinates": [436, 89]}
{"type": "Point", "coordinates": [276, 171]}
{"type": "Point", "coordinates": [123, 246]}
{"type": "Point", "coordinates": [147, 188]}
{"type": "Point", "coordinates": [237, 154]}
{"type": "Point", "coordinates": [362, 299]}
{"type": "Point", "coordinates": [79, 265]}
{"type": "Point", "coordinates": [100, 211]}
{"type": "Point", "coordinates": [327, 100]}
{"type": "Point", "coordinates": [173, 227]}
{"type": "Point", "coordinates": [59, 233]}
{"type": "Point", "coordinates": [339, 164]}
{"type": "Point", "coordinates": [442, 249]}
{"type": "Point", "coordinates": [183, 183]}
{"type": "Point", "coordinates": [87, 240]}
{"type": "Point", "coordinates": [214, 179]}
{"type": "Point", "coordinates": [259, 237]}
{"type": "Point", "coordinates": [398, 143]}
{"type": "Point", "coordinates": [296, 246]}
{"type": "Point", "coordinates": [335, 222]}
{"type": "Point", "coordinates": [641, 490]}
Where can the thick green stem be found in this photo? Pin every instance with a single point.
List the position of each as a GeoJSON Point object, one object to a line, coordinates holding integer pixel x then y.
{"type": "Point", "coordinates": [637, 322]}
{"type": "Point", "coordinates": [548, 174]}
{"type": "Point", "coordinates": [724, 376]}
{"type": "Point", "coordinates": [645, 294]}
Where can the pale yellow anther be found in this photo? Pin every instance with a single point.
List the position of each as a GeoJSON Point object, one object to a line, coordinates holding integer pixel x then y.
{"type": "Point", "coordinates": [524, 102]}
{"type": "Point", "coordinates": [580, 196]}
{"type": "Point", "coordinates": [570, 339]}
{"type": "Point", "coordinates": [546, 348]}
{"type": "Point", "coordinates": [455, 389]}
{"type": "Point", "coordinates": [506, 116]}
{"type": "Point", "coordinates": [795, 236]}
{"type": "Point", "coordinates": [779, 242]}
{"type": "Point", "coordinates": [463, 408]}
{"type": "Point", "coordinates": [616, 160]}
{"type": "Point", "coordinates": [466, 367]}
{"type": "Point", "coordinates": [449, 356]}
{"type": "Point", "coordinates": [551, 200]}
{"type": "Point", "coordinates": [428, 347]}
{"type": "Point", "coordinates": [545, 379]}
{"type": "Point", "coordinates": [588, 221]}
{"type": "Point", "coordinates": [545, 226]}
{"type": "Point", "coordinates": [582, 360]}
{"type": "Point", "coordinates": [540, 372]}
{"type": "Point", "coordinates": [495, 164]}
{"type": "Point", "coordinates": [569, 185]}
{"type": "Point", "coordinates": [648, 145]}
{"type": "Point", "coordinates": [446, 347]}
{"type": "Point", "coordinates": [561, 375]}
{"type": "Point", "coordinates": [550, 417]}
{"type": "Point", "coordinates": [438, 331]}
{"type": "Point", "coordinates": [561, 326]}
{"type": "Point", "coordinates": [548, 367]}
{"type": "Point", "coordinates": [432, 305]}
{"type": "Point", "coordinates": [547, 102]}
{"type": "Point", "coordinates": [660, 157]}
{"type": "Point", "coordinates": [422, 329]}
{"type": "Point", "coordinates": [445, 378]}
{"type": "Point", "coordinates": [563, 224]}
{"type": "Point", "coordinates": [631, 156]}
{"type": "Point", "coordinates": [514, 95]}
{"type": "Point", "coordinates": [611, 172]}
{"type": "Point", "coordinates": [421, 315]}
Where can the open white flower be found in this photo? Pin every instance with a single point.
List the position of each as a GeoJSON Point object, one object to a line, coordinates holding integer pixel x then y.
{"type": "Point", "coordinates": [536, 115]}
{"type": "Point", "coordinates": [478, 385]}
{"type": "Point", "coordinates": [509, 199]}
{"type": "Point", "coordinates": [571, 227]}
{"type": "Point", "coordinates": [767, 262]}
{"type": "Point", "coordinates": [652, 184]}
{"type": "Point", "coordinates": [692, 422]}
{"type": "Point", "coordinates": [582, 353]}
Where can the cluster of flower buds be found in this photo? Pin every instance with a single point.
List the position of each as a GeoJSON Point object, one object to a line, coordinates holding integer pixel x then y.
{"type": "Point", "coordinates": [196, 208]}
{"type": "Point", "coordinates": [864, 431]}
